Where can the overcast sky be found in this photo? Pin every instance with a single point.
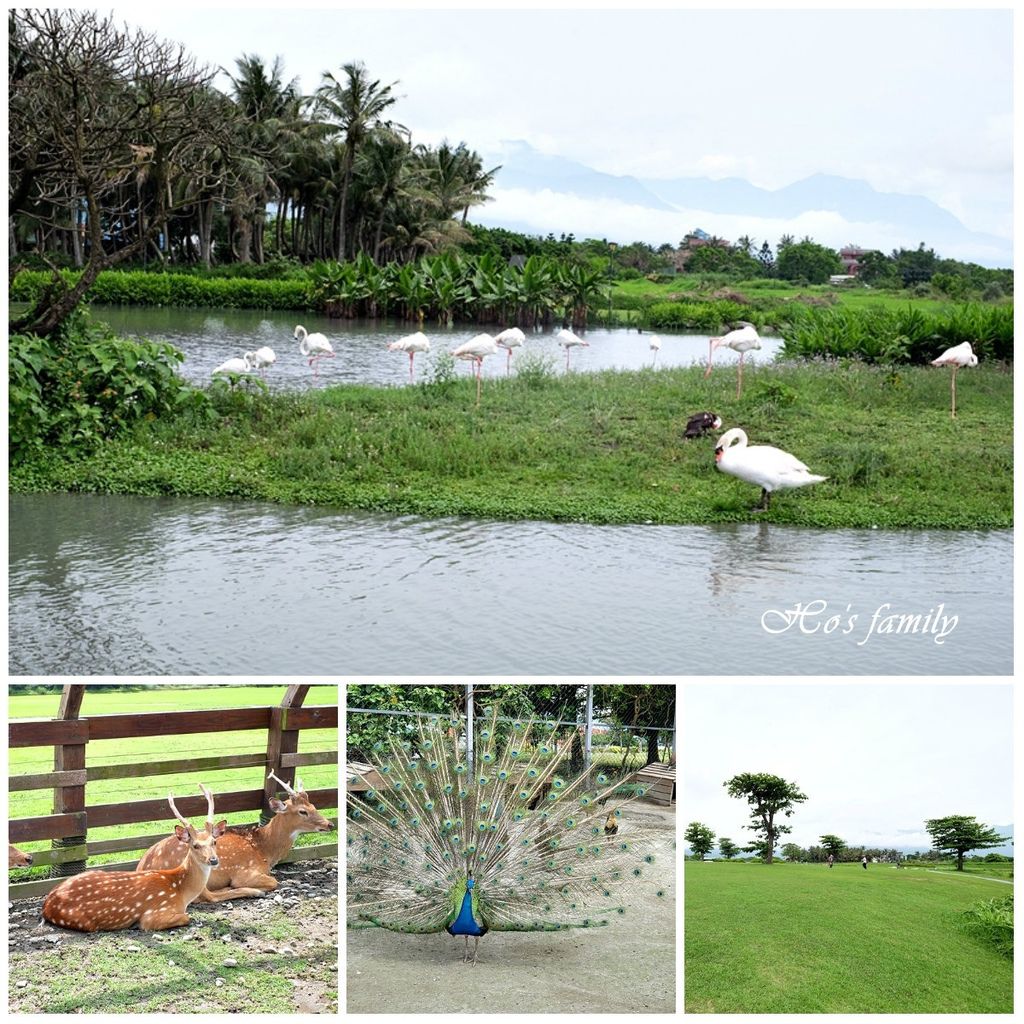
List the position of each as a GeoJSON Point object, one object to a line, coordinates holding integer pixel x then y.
{"type": "Point", "coordinates": [915, 101]}
{"type": "Point", "coordinates": [875, 760]}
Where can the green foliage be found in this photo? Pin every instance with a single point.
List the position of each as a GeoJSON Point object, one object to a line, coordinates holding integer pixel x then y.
{"type": "Point", "coordinates": [960, 833]}
{"type": "Point", "coordinates": [149, 288]}
{"type": "Point", "coordinates": [73, 390]}
{"type": "Point", "coordinates": [767, 796]}
{"type": "Point", "coordinates": [727, 847]}
{"type": "Point", "coordinates": [808, 261]}
{"type": "Point", "coordinates": [700, 839]}
{"type": "Point", "coordinates": [992, 921]}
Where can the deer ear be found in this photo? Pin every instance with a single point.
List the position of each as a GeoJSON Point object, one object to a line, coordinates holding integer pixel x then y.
{"type": "Point", "coordinates": [276, 806]}
{"type": "Point", "coordinates": [220, 828]}
{"type": "Point", "coordinates": [181, 833]}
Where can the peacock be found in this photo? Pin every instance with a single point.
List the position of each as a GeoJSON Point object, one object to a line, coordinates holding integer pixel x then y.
{"type": "Point", "coordinates": [522, 839]}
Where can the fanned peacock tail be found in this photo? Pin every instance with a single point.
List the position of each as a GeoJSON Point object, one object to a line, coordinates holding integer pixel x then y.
{"type": "Point", "coordinates": [547, 849]}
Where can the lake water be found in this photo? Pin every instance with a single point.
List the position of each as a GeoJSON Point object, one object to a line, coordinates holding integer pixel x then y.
{"type": "Point", "coordinates": [140, 586]}
{"type": "Point", "coordinates": [209, 337]}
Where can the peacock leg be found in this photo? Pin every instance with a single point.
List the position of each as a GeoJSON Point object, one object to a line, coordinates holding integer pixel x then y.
{"type": "Point", "coordinates": [465, 955]}
{"type": "Point", "coordinates": [476, 946]}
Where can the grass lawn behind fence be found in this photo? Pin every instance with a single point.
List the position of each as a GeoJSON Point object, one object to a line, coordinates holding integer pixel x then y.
{"type": "Point", "coordinates": [35, 760]}
{"type": "Point", "coordinates": [800, 938]}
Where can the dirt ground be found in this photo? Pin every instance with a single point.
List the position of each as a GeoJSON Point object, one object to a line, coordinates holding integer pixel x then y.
{"type": "Point", "coordinates": [284, 947]}
{"type": "Point", "coordinates": [626, 967]}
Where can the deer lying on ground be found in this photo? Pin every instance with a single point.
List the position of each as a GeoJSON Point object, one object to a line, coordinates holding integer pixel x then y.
{"type": "Point", "coordinates": [108, 901]}
{"type": "Point", "coordinates": [248, 852]}
{"type": "Point", "coordinates": [16, 858]}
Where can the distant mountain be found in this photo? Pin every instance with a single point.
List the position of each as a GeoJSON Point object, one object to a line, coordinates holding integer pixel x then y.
{"type": "Point", "coordinates": [834, 210]}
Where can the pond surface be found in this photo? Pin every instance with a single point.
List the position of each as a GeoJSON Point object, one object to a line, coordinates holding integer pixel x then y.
{"type": "Point", "coordinates": [209, 337]}
{"type": "Point", "coordinates": [141, 586]}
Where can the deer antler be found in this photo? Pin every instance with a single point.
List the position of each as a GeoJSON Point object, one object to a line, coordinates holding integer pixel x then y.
{"type": "Point", "coordinates": [209, 807]}
{"type": "Point", "coordinates": [284, 785]}
{"type": "Point", "coordinates": [177, 813]}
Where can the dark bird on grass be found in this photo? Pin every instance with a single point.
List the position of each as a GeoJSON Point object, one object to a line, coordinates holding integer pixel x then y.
{"type": "Point", "coordinates": [442, 845]}
{"type": "Point", "coordinates": [700, 423]}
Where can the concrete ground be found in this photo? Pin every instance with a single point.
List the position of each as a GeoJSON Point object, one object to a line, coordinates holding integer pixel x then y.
{"type": "Point", "coordinates": [626, 967]}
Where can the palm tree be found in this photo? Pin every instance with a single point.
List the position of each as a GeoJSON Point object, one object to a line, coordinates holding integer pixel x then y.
{"type": "Point", "coordinates": [352, 108]}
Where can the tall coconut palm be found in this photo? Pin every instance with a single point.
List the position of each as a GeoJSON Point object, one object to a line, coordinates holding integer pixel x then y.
{"type": "Point", "coordinates": [351, 107]}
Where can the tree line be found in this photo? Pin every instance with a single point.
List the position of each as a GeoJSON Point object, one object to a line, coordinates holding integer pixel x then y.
{"type": "Point", "coordinates": [771, 797]}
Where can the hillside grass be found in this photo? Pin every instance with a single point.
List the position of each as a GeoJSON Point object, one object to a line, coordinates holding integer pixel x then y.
{"type": "Point", "coordinates": [36, 760]}
{"type": "Point", "coordinates": [799, 938]}
{"type": "Point", "coordinates": [596, 448]}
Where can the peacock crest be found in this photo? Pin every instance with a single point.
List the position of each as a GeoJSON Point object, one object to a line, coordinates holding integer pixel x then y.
{"type": "Point", "coordinates": [520, 840]}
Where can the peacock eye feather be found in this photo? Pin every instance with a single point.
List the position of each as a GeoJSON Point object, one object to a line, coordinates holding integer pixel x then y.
{"type": "Point", "coordinates": [557, 783]}
{"type": "Point", "coordinates": [460, 769]}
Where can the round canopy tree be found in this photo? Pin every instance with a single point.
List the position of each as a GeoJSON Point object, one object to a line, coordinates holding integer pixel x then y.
{"type": "Point", "coordinates": [768, 796]}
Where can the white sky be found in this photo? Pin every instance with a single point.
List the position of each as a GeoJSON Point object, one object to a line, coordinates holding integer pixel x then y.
{"type": "Point", "coordinates": [916, 101]}
{"type": "Point", "coordinates": [875, 760]}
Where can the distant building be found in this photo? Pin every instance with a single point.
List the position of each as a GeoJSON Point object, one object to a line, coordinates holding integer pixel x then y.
{"type": "Point", "coordinates": [850, 257]}
{"type": "Point", "coordinates": [695, 240]}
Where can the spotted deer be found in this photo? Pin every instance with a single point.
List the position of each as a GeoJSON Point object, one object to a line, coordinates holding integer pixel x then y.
{"type": "Point", "coordinates": [16, 858]}
{"type": "Point", "coordinates": [108, 901]}
{"type": "Point", "coordinates": [248, 852]}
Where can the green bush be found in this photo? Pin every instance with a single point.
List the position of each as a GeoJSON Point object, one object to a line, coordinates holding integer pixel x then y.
{"type": "Point", "coordinates": [75, 389]}
{"type": "Point", "coordinates": [992, 921]}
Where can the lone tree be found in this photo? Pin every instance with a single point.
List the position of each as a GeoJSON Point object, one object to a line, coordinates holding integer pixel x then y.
{"type": "Point", "coordinates": [791, 851]}
{"type": "Point", "coordinates": [727, 847]}
{"type": "Point", "coordinates": [768, 796]}
{"type": "Point", "coordinates": [833, 844]}
{"type": "Point", "coordinates": [959, 834]}
{"type": "Point", "coordinates": [700, 838]}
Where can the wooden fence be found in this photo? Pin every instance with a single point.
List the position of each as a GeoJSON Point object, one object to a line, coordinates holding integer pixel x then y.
{"type": "Point", "coordinates": [68, 826]}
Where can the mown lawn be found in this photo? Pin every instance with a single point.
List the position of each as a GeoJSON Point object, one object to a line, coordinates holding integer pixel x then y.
{"type": "Point", "coordinates": [34, 760]}
{"type": "Point", "coordinates": [799, 938]}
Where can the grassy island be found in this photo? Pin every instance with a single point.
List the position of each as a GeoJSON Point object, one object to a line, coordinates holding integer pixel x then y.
{"type": "Point", "coordinates": [597, 448]}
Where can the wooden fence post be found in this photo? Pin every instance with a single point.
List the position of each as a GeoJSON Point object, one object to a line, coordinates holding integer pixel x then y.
{"type": "Point", "coordinates": [281, 740]}
{"type": "Point", "coordinates": [69, 799]}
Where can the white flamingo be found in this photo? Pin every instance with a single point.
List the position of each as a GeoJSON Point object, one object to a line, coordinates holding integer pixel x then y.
{"type": "Point", "coordinates": [569, 341]}
{"type": "Point", "coordinates": [236, 365]}
{"type": "Point", "coordinates": [477, 350]}
{"type": "Point", "coordinates": [509, 339]}
{"type": "Point", "coordinates": [769, 468]}
{"type": "Point", "coordinates": [957, 356]}
{"type": "Point", "coordinates": [315, 346]}
{"type": "Point", "coordinates": [262, 358]}
{"type": "Point", "coordinates": [654, 344]}
{"type": "Point", "coordinates": [411, 343]}
{"type": "Point", "coordinates": [742, 340]}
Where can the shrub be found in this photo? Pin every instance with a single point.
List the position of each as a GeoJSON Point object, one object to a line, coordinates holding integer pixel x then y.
{"type": "Point", "coordinates": [992, 922]}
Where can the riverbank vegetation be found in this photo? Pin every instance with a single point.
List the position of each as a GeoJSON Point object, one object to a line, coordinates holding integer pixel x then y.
{"type": "Point", "coordinates": [600, 448]}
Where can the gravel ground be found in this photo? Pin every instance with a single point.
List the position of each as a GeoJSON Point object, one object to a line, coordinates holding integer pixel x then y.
{"type": "Point", "coordinates": [275, 954]}
{"type": "Point", "coordinates": [626, 967]}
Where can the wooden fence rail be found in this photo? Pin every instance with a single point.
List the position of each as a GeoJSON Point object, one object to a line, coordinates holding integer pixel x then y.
{"type": "Point", "coordinates": [68, 826]}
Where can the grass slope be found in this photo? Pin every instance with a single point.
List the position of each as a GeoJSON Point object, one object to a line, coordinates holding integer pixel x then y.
{"type": "Point", "coordinates": [598, 448]}
{"type": "Point", "coordinates": [796, 938]}
{"type": "Point", "coordinates": [35, 760]}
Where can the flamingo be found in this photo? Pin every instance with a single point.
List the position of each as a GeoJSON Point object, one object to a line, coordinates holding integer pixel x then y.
{"type": "Point", "coordinates": [568, 341]}
{"type": "Point", "coordinates": [741, 340]}
{"type": "Point", "coordinates": [236, 365]}
{"type": "Point", "coordinates": [477, 349]}
{"type": "Point", "coordinates": [411, 343]}
{"type": "Point", "coordinates": [770, 468]}
{"type": "Point", "coordinates": [316, 346]}
{"type": "Point", "coordinates": [957, 356]}
{"type": "Point", "coordinates": [654, 344]}
{"type": "Point", "coordinates": [262, 358]}
{"type": "Point", "coordinates": [509, 339]}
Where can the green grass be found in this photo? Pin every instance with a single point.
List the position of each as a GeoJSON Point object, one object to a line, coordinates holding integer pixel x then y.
{"type": "Point", "coordinates": [597, 448]}
{"type": "Point", "coordinates": [35, 760]}
{"type": "Point", "coordinates": [796, 938]}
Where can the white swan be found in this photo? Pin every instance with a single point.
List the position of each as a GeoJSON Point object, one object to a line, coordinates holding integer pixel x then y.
{"type": "Point", "coordinates": [770, 468]}
{"type": "Point", "coordinates": [411, 343]}
{"type": "Point", "coordinates": [957, 356]}
{"type": "Point", "coordinates": [316, 346]}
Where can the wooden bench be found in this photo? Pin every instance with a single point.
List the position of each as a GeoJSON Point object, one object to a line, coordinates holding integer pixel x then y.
{"type": "Point", "coordinates": [361, 778]}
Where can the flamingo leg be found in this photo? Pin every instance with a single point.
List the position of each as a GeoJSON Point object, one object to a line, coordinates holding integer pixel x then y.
{"type": "Point", "coordinates": [478, 389]}
{"type": "Point", "coordinates": [412, 355]}
{"type": "Point", "coordinates": [711, 349]}
{"type": "Point", "coordinates": [508, 363]}
{"type": "Point", "coordinates": [953, 386]}
{"type": "Point", "coordinates": [567, 360]}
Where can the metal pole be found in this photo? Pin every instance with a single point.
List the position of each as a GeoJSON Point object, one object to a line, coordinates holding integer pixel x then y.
{"type": "Point", "coordinates": [588, 734]}
{"type": "Point", "coordinates": [469, 725]}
